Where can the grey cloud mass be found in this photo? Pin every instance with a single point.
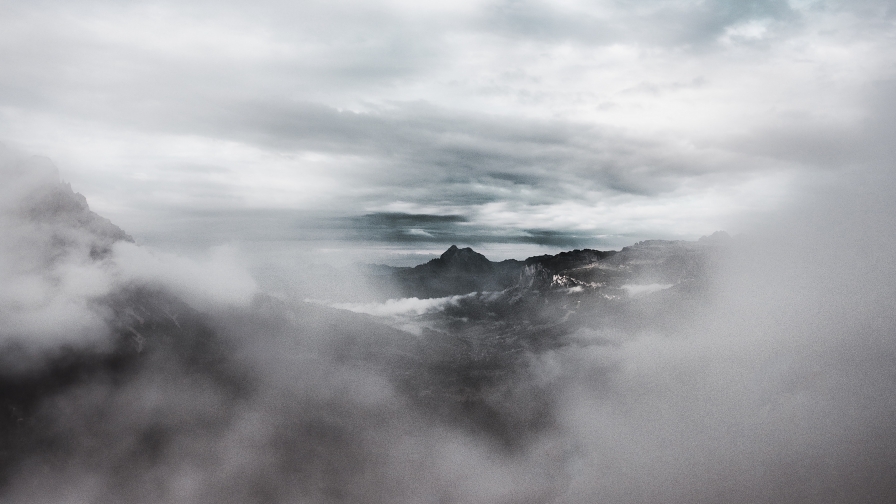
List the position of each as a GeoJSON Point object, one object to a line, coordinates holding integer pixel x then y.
{"type": "Point", "coordinates": [587, 119]}
{"type": "Point", "coordinates": [651, 22]}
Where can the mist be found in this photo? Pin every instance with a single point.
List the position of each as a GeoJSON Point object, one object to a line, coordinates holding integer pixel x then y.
{"type": "Point", "coordinates": [136, 375]}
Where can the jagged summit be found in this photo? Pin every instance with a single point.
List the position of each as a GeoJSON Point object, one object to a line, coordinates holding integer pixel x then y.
{"type": "Point", "coordinates": [465, 259]}
{"type": "Point", "coordinates": [456, 271]}
{"type": "Point", "coordinates": [451, 251]}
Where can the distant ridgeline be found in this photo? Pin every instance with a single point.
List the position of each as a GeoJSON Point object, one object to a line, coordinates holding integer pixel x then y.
{"type": "Point", "coordinates": [463, 270]}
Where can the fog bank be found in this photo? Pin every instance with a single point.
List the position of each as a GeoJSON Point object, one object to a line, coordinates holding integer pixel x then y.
{"type": "Point", "coordinates": [152, 378]}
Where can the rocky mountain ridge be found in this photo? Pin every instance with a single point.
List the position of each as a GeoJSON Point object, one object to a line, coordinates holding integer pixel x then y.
{"type": "Point", "coordinates": [463, 270]}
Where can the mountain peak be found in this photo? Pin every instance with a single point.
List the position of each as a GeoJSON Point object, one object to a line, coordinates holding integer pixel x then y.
{"type": "Point", "coordinates": [466, 254]}
{"type": "Point", "coordinates": [450, 252]}
{"type": "Point", "coordinates": [462, 259]}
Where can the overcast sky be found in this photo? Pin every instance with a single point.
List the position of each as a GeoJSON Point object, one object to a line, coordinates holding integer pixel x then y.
{"type": "Point", "coordinates": [508, 125]}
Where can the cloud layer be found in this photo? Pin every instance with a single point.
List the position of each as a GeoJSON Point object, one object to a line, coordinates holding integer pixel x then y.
{"type": "Point", "coordinates": [600, 121]}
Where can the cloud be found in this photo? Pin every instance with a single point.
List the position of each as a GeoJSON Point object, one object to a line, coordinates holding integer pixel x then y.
{"type": "Point", "coordinates": [48, 276]}
{"type": "Point", "coordinates": [659, 23]}
{"type": "Point", "coordinates": [341, 110]}
{"type": "Point", "coordinates": [395, 226]}
{"type": "Point", "coordinates": [759, 398]}
{"type": "Point", "coordinates": [403, 306]}
{"type": "Point", "coordinates": [59, 261]}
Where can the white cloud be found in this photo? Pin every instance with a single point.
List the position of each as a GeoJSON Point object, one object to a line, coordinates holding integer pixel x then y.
{"type": "Point", "coordinates": [56, 272]}
{"type": "Point", "coordinates": [399, 307]}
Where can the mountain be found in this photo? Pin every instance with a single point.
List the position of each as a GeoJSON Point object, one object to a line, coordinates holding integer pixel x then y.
{"type": "Point", "coordinates": [456, 271]}
{"type": "Point", "coordinates": [460, 261]}
{"type": "Point", "coordinates": [48, 217]}
{"type": "Point", "coordinates": [463, 270]}
{"type": "Point", "coordinates": [58, 205]}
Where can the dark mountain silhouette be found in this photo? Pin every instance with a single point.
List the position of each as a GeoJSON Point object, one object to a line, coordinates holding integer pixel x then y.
{"type": "Point", "coordinates": [569, 260]}
{"type": "Point", "coordinates": [460, 260]}
{"type": "Point", "coordinates": [463, 270]}
{"type": "Point", "coordinates": [456, 271]}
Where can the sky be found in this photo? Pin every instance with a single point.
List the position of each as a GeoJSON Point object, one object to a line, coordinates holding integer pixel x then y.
{"type": "Point", "coordinates": [517, 127]}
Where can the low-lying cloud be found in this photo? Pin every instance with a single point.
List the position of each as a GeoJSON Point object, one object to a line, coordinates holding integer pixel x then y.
{"type": "Point", "coordinates": [57, 262]}
{"type": "Point", "coordinates": [403, 306]}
